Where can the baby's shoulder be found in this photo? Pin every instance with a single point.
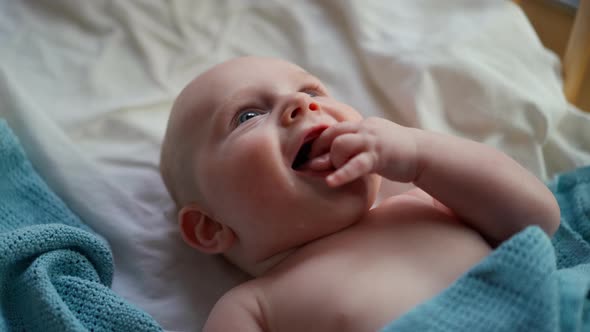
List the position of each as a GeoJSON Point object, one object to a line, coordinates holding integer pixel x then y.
{"type": "Point", "coordinates": [241, 303]}
{"type": "Point", "coordinates": [246, 290]}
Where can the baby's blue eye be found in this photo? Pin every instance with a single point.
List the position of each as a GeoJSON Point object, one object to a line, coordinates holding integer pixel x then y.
{"type": "Point", "coordinates": [247, 115]}
{"type": "Point", "coordinates": [311, 93]}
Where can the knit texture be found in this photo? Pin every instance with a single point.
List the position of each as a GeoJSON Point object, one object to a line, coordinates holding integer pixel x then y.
{"type": "Point", "coordinates": [529, 283]}
{"type": "Point", "coordinates": [55, 272]}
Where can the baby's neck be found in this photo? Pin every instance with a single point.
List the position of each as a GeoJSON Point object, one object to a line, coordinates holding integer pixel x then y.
{"type": "Point", "coordinates": [262, 267]}
{"type": "Point", "coordinates": [282, 259]}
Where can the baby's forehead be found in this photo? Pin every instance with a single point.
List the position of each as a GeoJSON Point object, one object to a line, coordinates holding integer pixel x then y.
{"type": "Point", "coordinates": [203, 97]}
{"type": "Point", "coordinates": [188, 117]}
{"type": "Point", "coordinates": [213, 87]}
{"type": "Point", "coordinates": [247, 71]}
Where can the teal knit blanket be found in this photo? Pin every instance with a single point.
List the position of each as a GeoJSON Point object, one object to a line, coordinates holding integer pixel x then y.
{"type": "Point", "coordinates": [55, 272]}
{"type": "Point", "coordinates": [529, 283]}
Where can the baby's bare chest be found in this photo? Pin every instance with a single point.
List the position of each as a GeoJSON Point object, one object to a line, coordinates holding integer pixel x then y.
{"type": "Point", "coordinates": [363, 279]}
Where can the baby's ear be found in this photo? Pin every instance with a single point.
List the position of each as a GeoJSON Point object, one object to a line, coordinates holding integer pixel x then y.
{"type": "Point", "coordinates": [203, 233]}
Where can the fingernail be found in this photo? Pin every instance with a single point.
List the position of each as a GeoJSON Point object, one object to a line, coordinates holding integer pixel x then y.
{"type": "Point", "coordinates": [331, 180]}
{"type": "Point", "coordinates": [321, 162]}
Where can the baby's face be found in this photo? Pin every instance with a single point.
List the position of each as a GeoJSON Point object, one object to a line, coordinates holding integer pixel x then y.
{"type": "Point", "coordinates": [255, 116]}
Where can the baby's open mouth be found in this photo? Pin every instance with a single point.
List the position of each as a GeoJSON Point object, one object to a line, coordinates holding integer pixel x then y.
{"type": "Point", "coordinates": [318, 163]}
{"type": "Point", "coordinates": [302, 156]}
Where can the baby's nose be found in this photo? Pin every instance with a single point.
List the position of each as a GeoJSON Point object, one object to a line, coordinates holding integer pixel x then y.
{"type": "Point", "coordinates": [297, 109]}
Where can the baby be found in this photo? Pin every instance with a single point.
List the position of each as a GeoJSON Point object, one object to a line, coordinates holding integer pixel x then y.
{"type": "Point", "coordinates": [268, 169]}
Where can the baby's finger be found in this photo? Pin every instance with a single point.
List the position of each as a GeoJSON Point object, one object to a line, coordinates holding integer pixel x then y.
{"type": "Point", "coordinates": [356, 167]}
{"type": "Point", "coordinates": [322, 144]}
{"type": "Point", "coordinates": [345, 147]}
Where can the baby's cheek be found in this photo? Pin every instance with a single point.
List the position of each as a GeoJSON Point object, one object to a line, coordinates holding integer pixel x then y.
{"type": "Point", "coordinates": [342, 112]}
{"type": "Point", "coordinates": [253, 173]}
{"type": "Point", "coordinates": [354, 114]}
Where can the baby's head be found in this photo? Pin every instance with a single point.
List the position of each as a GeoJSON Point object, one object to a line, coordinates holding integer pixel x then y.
{"type": "Point", "coordinates": [232, 158]}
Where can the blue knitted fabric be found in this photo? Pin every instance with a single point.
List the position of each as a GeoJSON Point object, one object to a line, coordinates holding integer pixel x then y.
{"type": "Point", "coordinates": [54, 272]}
{"type": "Point", "coordinates": [529, 283]}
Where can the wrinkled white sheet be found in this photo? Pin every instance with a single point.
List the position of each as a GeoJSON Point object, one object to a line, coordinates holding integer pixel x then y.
{"type": "Point", "coordinates": [87, 86]}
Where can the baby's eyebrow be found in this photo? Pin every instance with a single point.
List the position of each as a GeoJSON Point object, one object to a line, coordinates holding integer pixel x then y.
{"type": "Point", "coordinates": [224, 111]}
{"type": "Point", "coordinates": [238, 97]}
{"type": "Point", "coordinates": [304, 74]}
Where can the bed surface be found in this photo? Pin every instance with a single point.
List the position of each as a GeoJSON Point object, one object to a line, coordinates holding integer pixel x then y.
{"type": "Point", "coordinates": [87, 87]}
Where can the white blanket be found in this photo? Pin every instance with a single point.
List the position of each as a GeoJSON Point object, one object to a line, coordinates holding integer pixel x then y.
{"type": "Point", "coordinates": [87, 86]}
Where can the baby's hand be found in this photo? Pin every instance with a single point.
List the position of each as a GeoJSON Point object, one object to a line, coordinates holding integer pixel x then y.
{"type": "Point", "coordinates": [373, 145]}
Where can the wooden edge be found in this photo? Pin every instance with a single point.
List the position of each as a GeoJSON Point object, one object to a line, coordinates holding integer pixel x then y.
{"type": "Point", "coordinates": [577, 54]}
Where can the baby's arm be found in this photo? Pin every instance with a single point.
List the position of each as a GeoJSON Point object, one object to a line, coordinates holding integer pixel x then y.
{"type": "Point", "coordinates": [481, 185]}
{"type": "Point", "coordinates": [237, 310]}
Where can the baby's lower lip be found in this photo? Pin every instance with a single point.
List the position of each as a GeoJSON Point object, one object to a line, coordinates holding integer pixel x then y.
{"type": "Point", "coordinates": [321, 174]}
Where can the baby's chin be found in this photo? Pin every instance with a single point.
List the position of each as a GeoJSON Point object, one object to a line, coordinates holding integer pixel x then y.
{"type": "Point", "coordinates": [362, 191]}
{"type": "Point", "coordinates": [326, 214]}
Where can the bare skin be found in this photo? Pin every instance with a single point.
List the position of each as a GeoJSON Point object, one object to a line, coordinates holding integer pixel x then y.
{"type": "Point", "coordinates": [358, 279]}
{"type": "Point", "coordinates": [325, 259]}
